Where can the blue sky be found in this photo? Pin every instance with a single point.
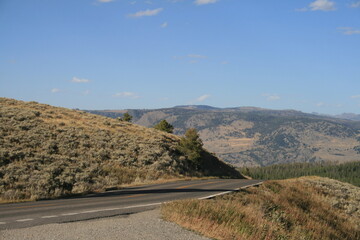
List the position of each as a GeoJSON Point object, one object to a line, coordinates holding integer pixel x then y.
{"type": "Point", "coordinates": [120, 54]}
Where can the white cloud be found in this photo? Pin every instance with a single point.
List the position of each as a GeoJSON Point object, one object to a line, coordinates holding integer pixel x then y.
{"type": "Point", "coordinates": [355, 4]}
{"type": "Point", "coordinates": [203, 98]}
{"type": "Point", "coordinates": [349, 30]}
{"type": "Point", "coordinates": [80, 80]}
{"type": "Point", "coordinates": [320, 104]}
{"type": "Point", "coordinates": [355, 96]}
{"type": "Point", "coordinates": [127, 95]}
{"type": "Point", "coordinates": [105, 1]}
{"type": "Point", "coordinates": [272, 97]}
{"type": "Point", "coordinates": [322, 5]}
{"type": "Point", "coordinates": [203, 2]}
{"type": "Point", "coordinates": [55, 90]}
{"type": "Point", "coordinates": [146, 13]}
{"type": "Point", "coordinates": [164, 25]}
{"type": "Point", "coordinates": [196, 56]}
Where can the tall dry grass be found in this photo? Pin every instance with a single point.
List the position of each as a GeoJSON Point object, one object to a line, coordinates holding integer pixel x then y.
{"type": "Point", "coordinates": [287, 209]}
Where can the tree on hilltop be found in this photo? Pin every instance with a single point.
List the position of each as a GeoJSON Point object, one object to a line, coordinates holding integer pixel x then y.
{"type": "Point", "coordinates": [127, 117]}
{"type": "Point", "coordinates": [191, 145]}
{"type": "Point", "coordinates": [164, 126]}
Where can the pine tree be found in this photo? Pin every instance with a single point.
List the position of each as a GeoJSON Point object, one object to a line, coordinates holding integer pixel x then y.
{"type": "Point", "coordinates": [191, 145]}
{"type": "Point", "coordinates": [127, 117]}
{"type": "Point", "coordinates": [163, 125]}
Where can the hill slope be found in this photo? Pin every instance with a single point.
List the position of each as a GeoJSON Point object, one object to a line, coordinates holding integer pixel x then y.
{"type": "Point", "coordinates": [259, 137]}
{"type": "Point", "coordinates": [48, 152]}
{"type": "Point", "coordinates": [303, 208]}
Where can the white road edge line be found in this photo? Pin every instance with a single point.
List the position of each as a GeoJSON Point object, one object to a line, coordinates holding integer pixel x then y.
{"type": "Point", "coordinates": [235, 190]}
{"type": "Point", "coordinates": [69, 214]}
{"type": "Point", "coordinates": [25, 220]}
{"type": "Point", "coordinates": [110, 209]}
{"type": "Point", "coordinates": [113, 209]}
{"type": "Point", "coordinates": [91, 211]}
{"type": "Point", "coordinates": [144, 205]}
{"type": "Point", "coordinates": [53, 216]}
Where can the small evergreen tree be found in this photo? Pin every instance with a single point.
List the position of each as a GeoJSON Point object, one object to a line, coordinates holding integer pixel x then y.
{"type": "Point", "coordinates": [164, 126]}
{"type": "Point", "coordinates": [191, 145]}
{"type": "Point", "coordinates": [127, 117]}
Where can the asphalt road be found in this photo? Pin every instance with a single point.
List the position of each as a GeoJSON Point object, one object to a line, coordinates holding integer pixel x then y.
{"type": "Point", "coordinates": [120, 202]}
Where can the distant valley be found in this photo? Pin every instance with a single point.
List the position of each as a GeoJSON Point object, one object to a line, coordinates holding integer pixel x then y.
{"type": "Point", "coordinates": [248, 136]}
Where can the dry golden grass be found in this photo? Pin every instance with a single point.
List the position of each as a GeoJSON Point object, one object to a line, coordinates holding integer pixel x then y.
{"type": "Point", "coordinates": [287, 209]}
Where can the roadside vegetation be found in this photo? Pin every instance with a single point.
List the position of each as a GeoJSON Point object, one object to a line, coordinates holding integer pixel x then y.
{"type": "Point", "coordinates": [303, 208]}
{"type": "Point", "coordinates": [346, 172]}
{"type": "Point", "coordinates": [49, 152]}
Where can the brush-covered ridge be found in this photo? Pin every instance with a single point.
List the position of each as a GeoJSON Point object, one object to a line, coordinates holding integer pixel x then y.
{"type": "Point", "coordinates": [48, 152]}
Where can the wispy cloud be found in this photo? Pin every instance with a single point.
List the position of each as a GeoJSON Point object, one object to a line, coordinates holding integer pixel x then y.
{"type": "Point", "coordinates": [319, 5]}
{"type": "Point", "coordinates": [203, 98]}
{"type": "Point", "coordinates": [105, 1]}
{"type": "Point", "coordinates": [355, 96]}
{"type": "Point", "coordinates": [86, 92]}
{"type": "Point", "coordinates": [79, 80]}
{"type": "Point", "coordinates": [55, 90]}
{"type": "Point", "coordinates": [271, 97]}
{"type": "Point", "coordinates": [130, 95]}
{"type": "Point", "coordinates": [320, 104]}
{"type": "Point", "coordinates": [146, 13]}
{"type": "Point", "coordinates": [355, 4]}
{"type": "Point", "coordinates": [164, 25]}
{"type": "Point", "coordinates": [349, 30]}
{"type": "Point", "coordinates": [322, 5]}
{"type": "Point", "coordinates": [196, 56]}
{"type": "Point", "coordinates": [203, 2]}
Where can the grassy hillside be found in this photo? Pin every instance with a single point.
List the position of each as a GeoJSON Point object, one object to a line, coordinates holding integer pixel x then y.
{"type": "Point", "coordinates": [260, 137]}
{"type": "Point", "coordinates": [346, 172]}
{"type": "Point", "coordinates": [304, 208]}
{"type": "Point", "coordinates": [49, 152]}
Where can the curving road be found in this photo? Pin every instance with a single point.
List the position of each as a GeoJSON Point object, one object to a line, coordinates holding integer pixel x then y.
{"type": "Point", "coordinates": [118, 202]}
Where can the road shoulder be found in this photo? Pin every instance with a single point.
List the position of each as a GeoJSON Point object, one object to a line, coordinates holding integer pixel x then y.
{"type": "Point", "coordinates": [143, 225]}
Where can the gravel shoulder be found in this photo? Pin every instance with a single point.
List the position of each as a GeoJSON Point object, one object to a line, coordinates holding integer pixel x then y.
{"type": "Point", "coordinates": [143, 225]}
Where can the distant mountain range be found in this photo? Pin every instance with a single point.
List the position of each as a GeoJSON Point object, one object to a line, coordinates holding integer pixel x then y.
{"type": "Point", "coordinates": [349, 116]}
{"type": "Point", "coordinates": [249, 136]}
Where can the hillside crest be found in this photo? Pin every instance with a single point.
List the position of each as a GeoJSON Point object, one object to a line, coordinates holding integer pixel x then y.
{"type": "Point", "coordinates": [49, 151]}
